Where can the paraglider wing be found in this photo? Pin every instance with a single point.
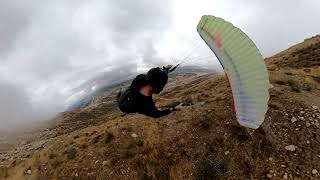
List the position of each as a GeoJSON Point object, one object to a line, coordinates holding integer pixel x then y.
{"type": "Point", "coordinates": [244, 67]}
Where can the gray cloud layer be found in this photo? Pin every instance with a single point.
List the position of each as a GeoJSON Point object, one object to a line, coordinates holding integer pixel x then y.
{"type": "Point", "coordinates": [50, 47]}
{"type": "Point", "coordinates": [275, 25]}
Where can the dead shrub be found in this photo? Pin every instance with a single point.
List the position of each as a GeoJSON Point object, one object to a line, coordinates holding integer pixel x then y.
{"type": "Point", "coordinates": [187, 100]}
{"type": "Point", "coordinates": [96, 139]}
{"type": "Point", "coordinates": [280, 82]}
{"type": "Point", "coordinates": [56, 163]}
{"type": "Point", "coordinates": [71, 153]}
{"type": "Point", "coordinates": [204, 120]}
{"type": "Point", "coordinates": [289, 73]}
{"type": "Point", "coordinates": [316, 78]}
{"type": "Point", "coordinates": [308, 86]}
{"type": "Point", "coordinates": [208, 168]}
{"type": "Point", "coordinates": [240, 133]}
{"type": "Point", "coordinates": [295, 85]}
{"type": "Point", "coordinates": [140, 142]}
{"type": "Point", "coordinates": [108, 137]}
{"type": "Point", "coordinates": [307, 70]}
{"type": "Point", "coordinates": [52, 156]}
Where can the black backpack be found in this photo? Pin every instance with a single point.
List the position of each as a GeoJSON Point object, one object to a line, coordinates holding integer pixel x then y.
{"type": "Point", "coordinates": [125, 99]}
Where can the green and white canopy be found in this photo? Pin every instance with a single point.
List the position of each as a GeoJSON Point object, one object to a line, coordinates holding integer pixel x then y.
{"type": "Point", "coordinates": [244, 67]}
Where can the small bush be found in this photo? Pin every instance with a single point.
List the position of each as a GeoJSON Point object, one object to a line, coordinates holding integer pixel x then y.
{"type": "Point", "coordinates": [52, 156]}
{"type": "Point", "coordinates": [295, 85]}
{"type": "Point", "coordinates": [308, 85]}
{"type": "Point", "coordinates": [83, 146]}
{"type": "Point", "coordinates": [71, 153]}
{"type": "Point", "coordinates": [108, 137]}
{"type": "Point", "coordinates": [56, 163]}
{"type": "Point", "coordinates": [96, 139]}
{"type": "Point", "coordinates": [140, 142]}
{"type": "Point", "coordinates": [289, 73]}
{"type": "Point", "coordinates": [209, 169]}
{"type": "Point", "coordinates": [316, 78]}
{"type": "Point", "coordinates": [188, 100]}
{"type": "Point", "coordinates": [280, 82]}
{"type": "Point", "coordinates": [307, 70]}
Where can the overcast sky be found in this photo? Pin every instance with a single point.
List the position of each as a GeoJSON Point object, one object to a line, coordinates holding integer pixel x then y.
{"type": "Point", "coordinates": [48, 49]}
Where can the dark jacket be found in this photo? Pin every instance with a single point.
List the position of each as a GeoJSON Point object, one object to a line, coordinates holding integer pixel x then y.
{"type": "Point", "coordinates": [144, 104]}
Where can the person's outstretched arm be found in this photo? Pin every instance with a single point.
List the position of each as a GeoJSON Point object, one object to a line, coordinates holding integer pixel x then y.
{"type": "Point", "coordinates": [157, 113]}
{"type": "Point", "coordinates": [151, 110]}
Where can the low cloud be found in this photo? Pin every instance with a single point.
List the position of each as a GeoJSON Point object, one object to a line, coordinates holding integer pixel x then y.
{"type": "Point", "coordinates": [51, 49]}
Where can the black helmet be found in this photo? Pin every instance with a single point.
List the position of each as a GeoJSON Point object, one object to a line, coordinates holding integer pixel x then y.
{"type": "Point", "coordinates": [157, 79]}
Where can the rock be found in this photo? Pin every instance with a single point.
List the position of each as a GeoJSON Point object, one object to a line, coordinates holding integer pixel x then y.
{"type": "Point", "coordinates": [293, 119]}
{"type": "Point", "coordinates": [302, 112]}
{"type": "Point", "coordinates": [308, 142]}
{"type": "Point", "coordinates": [285, 176]}
{"type": "Point", "coordinates": [290, 148]}
{"type": "Point", "coordinates": [314, 107]}
{"type": "Point", "coordinates": [24, 143]}
{"type": "Point", "coordinates": [301, 118]}
{"type": "Point", "coordinates": [269, 175]}
{"type": "Point", "coordinates": [270, 159]}
{"type": "Point", "coordinates": [227, 152]}
{"type": "Point", "coordinates": [283, 166]}
{"type": "Point", "coordinates": [308, 124]}
{"type": "Point", "coordinates": [314, 171]}
{"type": "Point", "coordinates": [76, 175]}
{"type": "Point", "coordinates": [106, 163]}
{"type": "Point", "coordinates": [90, 174]}
{"type": "Point", "coordinates": [134, 135]}
{"type": "Point", "coordinates": [29, 171]}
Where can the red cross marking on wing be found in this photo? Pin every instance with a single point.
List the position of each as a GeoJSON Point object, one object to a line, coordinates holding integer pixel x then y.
{"type": "Point", "coordinates": [217, 41]}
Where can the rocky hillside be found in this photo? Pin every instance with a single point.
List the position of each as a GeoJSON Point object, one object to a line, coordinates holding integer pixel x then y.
{"type": "Point", "coordinates": [203, 141]}
{"type": "Point", "coordinates": [303, 55]}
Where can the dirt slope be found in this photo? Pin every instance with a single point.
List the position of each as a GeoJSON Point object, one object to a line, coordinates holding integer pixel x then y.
{"type": "Point", "coordinates": [201, 142]}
